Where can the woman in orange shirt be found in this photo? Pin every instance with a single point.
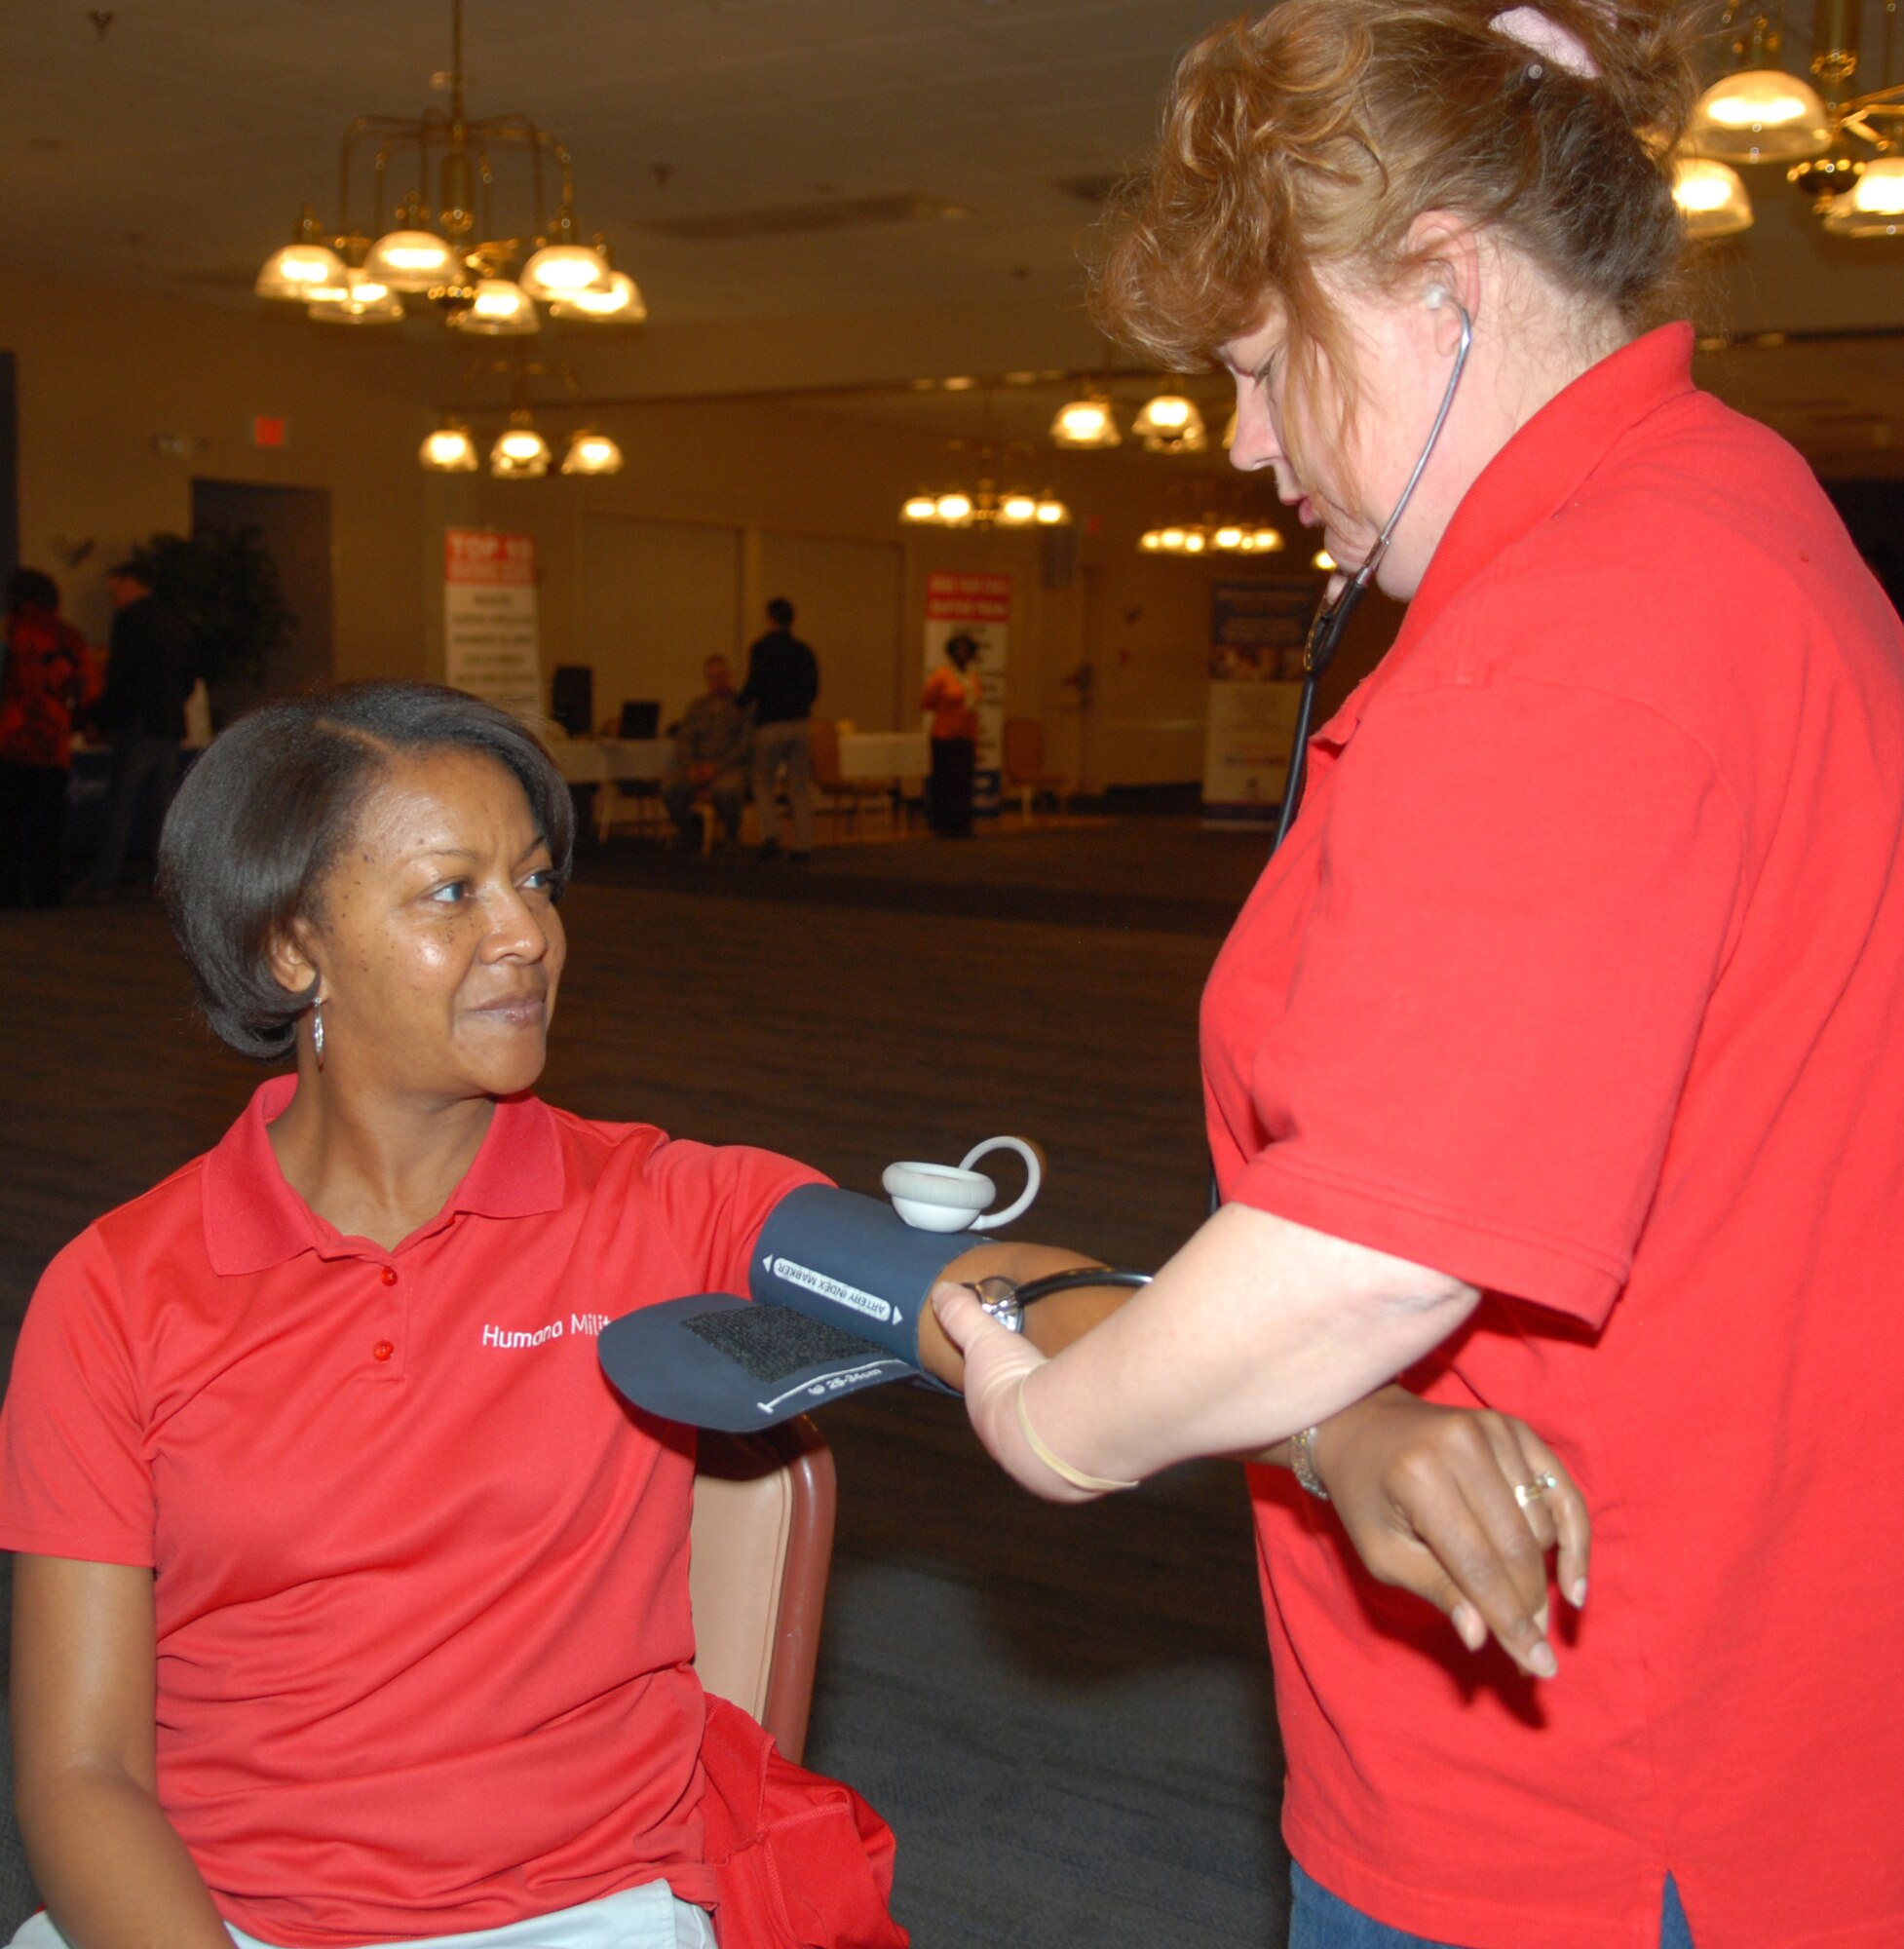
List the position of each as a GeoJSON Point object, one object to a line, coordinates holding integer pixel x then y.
{"type": "Point", "coordinates": [951, 694]}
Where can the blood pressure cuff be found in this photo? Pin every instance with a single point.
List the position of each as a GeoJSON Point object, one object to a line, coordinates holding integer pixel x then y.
{"type": "Point", "coordinates": [839, 1283]}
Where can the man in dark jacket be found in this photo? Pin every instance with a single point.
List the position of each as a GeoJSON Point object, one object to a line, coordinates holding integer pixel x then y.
{"type": "Point", "coordinates": [783, 681]}
{"type": "Point", "coordinates": [142, 713]}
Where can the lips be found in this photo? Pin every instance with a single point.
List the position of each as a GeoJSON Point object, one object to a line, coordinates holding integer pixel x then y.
{"type": "Point", "coordinates": [525, 1010]}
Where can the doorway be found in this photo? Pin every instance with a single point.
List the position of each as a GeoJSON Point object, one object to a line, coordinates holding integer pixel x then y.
{"type": "Point", "coordinates": [294, 523]}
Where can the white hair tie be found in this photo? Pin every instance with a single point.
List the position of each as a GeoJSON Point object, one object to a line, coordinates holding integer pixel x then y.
{"type": "Point", "coordinates": [1534, 30]}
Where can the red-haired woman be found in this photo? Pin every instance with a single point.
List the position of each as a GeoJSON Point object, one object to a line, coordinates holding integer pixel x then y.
{"type": "Point", "coordinates": [1553, 1064]}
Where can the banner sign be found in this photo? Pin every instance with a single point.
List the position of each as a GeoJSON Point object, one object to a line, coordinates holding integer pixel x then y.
{"type": "Point", "coordinates": [491, 646]}
{"type": "Point", "coordinates": [978, 606]}
{"type": "Point", "coordinates": [1257, 633]}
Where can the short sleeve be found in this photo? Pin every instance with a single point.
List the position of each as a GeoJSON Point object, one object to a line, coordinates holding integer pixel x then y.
{"type": "Point", "coordinates": [1526, 892]}
{"type": "Point", "coordinates": [716, 1198]}
{"type": "Point", "coordinates": [75, 1478]}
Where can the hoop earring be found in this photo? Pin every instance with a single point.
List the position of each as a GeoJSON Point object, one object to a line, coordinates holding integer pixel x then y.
{"type": "Point", "coordinates": [316, 1031]}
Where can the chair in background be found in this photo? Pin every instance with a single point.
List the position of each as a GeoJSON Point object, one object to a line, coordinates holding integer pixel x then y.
{"type": "Point", "coordinates": [639, 799]}
{"type": "Point", "coordinates": [1024, 770]}
{"type": "Point", "coordinates": [762, 1547]}
{"type": "Point", "coordinates": [837, 793]}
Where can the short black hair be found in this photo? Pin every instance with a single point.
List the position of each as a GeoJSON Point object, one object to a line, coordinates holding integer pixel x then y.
{"type": "Point", "coordinates": [131, 571]}
{"type": "Point", "coordinates": [31, 589]}
{"type": "Point", "coordinates": [780, 611]}
{"type": "Point", "coordinates": [261, 817]}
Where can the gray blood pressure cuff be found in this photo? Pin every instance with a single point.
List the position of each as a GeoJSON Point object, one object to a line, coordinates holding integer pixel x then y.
{"type": "Point", "coordinates": [839, 1283]}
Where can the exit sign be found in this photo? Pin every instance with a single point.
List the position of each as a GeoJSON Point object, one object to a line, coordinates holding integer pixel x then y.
{"type": "Point", "coordinates": [267, 432]}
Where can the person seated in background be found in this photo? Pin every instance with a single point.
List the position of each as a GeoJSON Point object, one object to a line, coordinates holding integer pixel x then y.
{"type": "Point", "coordinates": [712, 751]}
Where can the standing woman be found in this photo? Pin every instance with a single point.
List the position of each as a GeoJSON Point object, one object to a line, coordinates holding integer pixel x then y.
{"type": "Point", "coordinates": [1555, 1062]}
{"type": "Point", "coordinates": [951, 694]}
{"type": "Point", "coordinates": [49, 676]}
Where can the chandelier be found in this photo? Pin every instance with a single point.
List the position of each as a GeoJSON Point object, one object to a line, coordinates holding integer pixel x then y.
{"type": "Point", "coordinates": [520, 451]}
{"type": "Point", "coordinates": [452, 257]}
{"type": "Point", "coordinates": [1839, 149]}
{"type": "Point", "coordinates": [1209, 536]}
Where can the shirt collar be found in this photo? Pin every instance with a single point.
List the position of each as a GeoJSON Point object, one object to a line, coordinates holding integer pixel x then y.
{"type": "Point", "coordinates": [254, 1220]}
{"type": "Point", "coordinates": [1544, 465]}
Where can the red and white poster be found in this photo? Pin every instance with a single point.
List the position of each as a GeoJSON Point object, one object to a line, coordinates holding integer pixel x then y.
{"type": "Point", "coordinates": [978, 606]}
{"type": "Point", "coordinates": [490, 643]}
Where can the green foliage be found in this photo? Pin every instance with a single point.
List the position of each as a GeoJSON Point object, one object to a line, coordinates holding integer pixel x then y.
{"type": "Point", "coordinates": [225, 583]}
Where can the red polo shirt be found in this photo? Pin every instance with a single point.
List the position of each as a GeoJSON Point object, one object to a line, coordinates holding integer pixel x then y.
{"type": "Point", "coordinates": [1581, 978]}
{"type": "Point", "coordinates": [421, 1576]}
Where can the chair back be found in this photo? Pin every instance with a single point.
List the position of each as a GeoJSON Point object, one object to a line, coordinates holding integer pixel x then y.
{"type": "Point", "coordinates": [762, 1545]}
{"type": "Point", "coordinates": [823, 746]}
{"type": "Point", "coordinates": [640, 719]}
{"type": "Point", "coordinates": [1024, 747]}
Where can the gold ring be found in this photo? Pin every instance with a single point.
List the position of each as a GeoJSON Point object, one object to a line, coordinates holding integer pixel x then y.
{"type": "Point", "coordinates": [1528, 1493]}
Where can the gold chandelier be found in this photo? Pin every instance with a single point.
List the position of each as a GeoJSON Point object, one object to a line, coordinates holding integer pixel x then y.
{"type": "Point", "coordinates": [453, 258]}
{"type": "Point", "coordinates": [1839, 149]}
{"type": "Point", "coordinates": [520, 453]}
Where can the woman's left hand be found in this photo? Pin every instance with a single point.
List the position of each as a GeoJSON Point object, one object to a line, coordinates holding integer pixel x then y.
{"type": "Point", "coordinates": [997, 1364]}
{"type": "Point", "coordinates": [1461, 1507]}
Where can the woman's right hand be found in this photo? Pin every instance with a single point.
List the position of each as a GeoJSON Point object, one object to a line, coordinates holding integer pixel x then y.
{"type": "Point", "coordinates": [1427, 1495]}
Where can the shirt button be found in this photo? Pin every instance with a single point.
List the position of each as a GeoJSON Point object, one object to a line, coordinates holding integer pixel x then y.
{"type": "Point", "coordinates": [382, 1350]}
{"type": "Point", "coordinates": [388, 1276]}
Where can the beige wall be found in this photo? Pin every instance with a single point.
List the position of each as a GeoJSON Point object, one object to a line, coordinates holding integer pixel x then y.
{"type": "Point", "coordinates": [802, 497]}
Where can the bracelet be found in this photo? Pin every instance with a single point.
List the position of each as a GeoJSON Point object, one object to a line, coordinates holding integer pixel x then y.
{"type": "Point", "coordinates": [1098, 1485]}
{"type": "Point", "coordinates": [1302, 1464]}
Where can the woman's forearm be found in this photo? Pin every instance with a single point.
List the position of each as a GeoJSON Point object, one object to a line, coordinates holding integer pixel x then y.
{"type": "Point", "coordinates": [111, 1868]}
{"type": "Point", "coordinates": [1050, 1326]}
{"type": "Point", "coordinates": [1257, 1328]}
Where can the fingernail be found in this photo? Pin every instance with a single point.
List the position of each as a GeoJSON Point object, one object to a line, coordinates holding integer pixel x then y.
{"type": "Point", "coordinates": [1540, 1660]}
{"type": "Point", "coordinates": [1578, 1594]}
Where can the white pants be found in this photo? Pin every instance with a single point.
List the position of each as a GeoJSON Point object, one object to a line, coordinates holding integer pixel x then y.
{"type": "Point", "coordinates": [642, 1918]}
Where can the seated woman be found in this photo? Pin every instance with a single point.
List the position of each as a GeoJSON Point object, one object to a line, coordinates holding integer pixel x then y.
{"type": "Point", "coordinates": [352, 1604]}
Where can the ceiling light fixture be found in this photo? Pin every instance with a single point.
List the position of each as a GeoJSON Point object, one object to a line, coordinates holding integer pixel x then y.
{"type": "Point", "coordinates": [520, 453]}
{"type": "Point", "coordinates": [455, 254]}
{"type": "Point", "coordinates": [450, 450]}
{"type": "Point", "coordinates": [1086, 422]}
{"type": "Point", "coordinates": [1828, 137]}
{"type": "Point", "coordinates": [1169, 423]}
{"type": "Point", "coordinates": [591, 453]}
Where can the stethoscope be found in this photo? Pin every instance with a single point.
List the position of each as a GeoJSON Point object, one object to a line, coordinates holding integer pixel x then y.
{"type": "Point", "coordinates": [1332, 616]}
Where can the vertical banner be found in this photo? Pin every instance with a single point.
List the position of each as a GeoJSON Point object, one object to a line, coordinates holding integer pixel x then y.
{"type": "Point", "coordinates": [978, 606]}
{"type": "Point", "coordinates": [1257, 633]}
{"type": "Point", "coordinates": [489, 620]}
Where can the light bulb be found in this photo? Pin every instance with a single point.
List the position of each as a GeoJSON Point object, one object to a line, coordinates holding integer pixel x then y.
{"type": "Point", "coordinates": [616, 299]}
{"type": "Point", "coordinates": [1323, 561]}
{"type": "Point", "coordinates": [1053, 514]}
{"type": "Point", "coordinates": [450, 450]}
{"type": "Point", "coordinates": [1085, 422]}
{"type": "Point", "coordinates": [1761, 115]}
{"type": "Point", "coordinates": [497, 308]}
{"type": "Point", "coordinates": [410, 260]}
{"type": "Point", "coordinates": [954, 508]}
{"type": "Point", "coordinates": [1018, 510]}
{"type": "Point", "coordinates": [1711, 199]}
{"type": "Point", "coordinates": [1874, 206]}
{"type": "Point", "coordinates": [591, 453]}
{"type": "Point", "coordinates": [298, 270]}
{"type": "Point", "coordinates": [921, 508]}
{"type": "Point", "coordinates": [560, 270]}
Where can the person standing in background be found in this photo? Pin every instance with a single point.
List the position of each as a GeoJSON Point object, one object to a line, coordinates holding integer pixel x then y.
{"type": "Point", "coordinates": [49, 676]}
{"type": "Point", "coordinates": [783, 681]}
{"type": "Point", "coordinates": [951, 694]}
{"type": "Point", "coordinates": [711, 755]}
{"type": "Point", "coordinates": [148, 678]}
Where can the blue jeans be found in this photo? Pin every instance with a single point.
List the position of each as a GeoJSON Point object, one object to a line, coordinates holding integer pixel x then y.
{"type": "Point", "coordinates": [1319, 1920]}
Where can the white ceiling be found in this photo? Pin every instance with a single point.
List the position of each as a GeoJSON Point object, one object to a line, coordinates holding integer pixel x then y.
{"type": "Point", "coordinates": [173, 150]}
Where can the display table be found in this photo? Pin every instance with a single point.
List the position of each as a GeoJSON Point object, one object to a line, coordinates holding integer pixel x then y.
{"type": "Point", "coordinates": [619, 761]}
{"type": "Point", "coordinates": [885, 754]}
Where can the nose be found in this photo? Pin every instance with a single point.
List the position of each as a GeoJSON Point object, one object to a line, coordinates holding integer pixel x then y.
{"type": "Point", "coordinates": [1255, 446]}
{"type": "Point", "coordinates": [518, 930]}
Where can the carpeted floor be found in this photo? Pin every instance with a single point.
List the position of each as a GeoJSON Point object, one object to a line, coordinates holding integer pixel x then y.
{"type": "Point", "coordinates": [1064, 1714]}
